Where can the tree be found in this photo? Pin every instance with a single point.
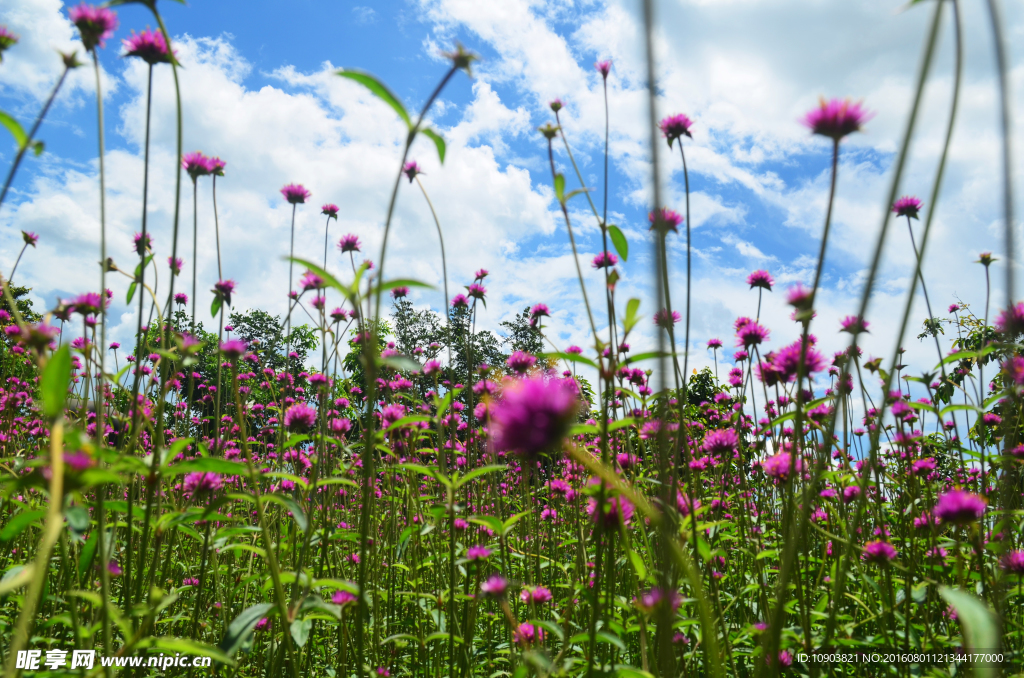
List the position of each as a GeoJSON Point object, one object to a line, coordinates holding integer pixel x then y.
{"type": "Point", "coordinates": [417, 329]}
{"type": "Point", "coordinates": [266, 338]}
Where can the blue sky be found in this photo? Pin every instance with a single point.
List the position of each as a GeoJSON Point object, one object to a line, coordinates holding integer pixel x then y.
{"type": "Point", "coordinates": [259, 91]}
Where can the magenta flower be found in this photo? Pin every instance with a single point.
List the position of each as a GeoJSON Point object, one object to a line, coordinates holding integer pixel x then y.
{"type": "Point", "coordinates": [475, 553]}
{"type": "Point", "coordinates": [799, 297]}
{"type": "Point", "coordinates": [535, 594]}
{"type": "Point", "coordinates": [574, 350]}
{"type": "Point", "coordinates": [1013, 562]}
{"type": "Point", "coordinates": [721, 442]}
{"type": "Point", "coordinates": [1011, 321]}
{"type": "Point", "coordinates": [760, 279]}
{"type": "Point", "coordinates": [89, 303]}
{"type": "Point", "coordinates": [216, 166]}
{"type": "Point", "coordinates": [481, 274]}
{"type": "Point", "coordinates": [114, 569]}
{"type": "Point", "coordinates": [311, 281]}
{"type": "Point", "coordinates": [342, 598]}
{"type": "Point", "coordinates": [715, 343]}
{"type": "Point", "coordinates": [200, 483]}
{"type": "Point", "coordinates": [959, 507]}
{"type": "Point", "coordinates": [751, 334]}
{"type": "Point", "coordinates": [907, 206]}
{"type": "Point", "coordinates": [331, 210]}
{"type": "Point", "coordinates": [299, 417]}
{"type": "Point", "coordinates": [527, 634]}
{"type": "Point", "coordinates": [180, 298]}
{"type": "Point", "coordinates": [521, 362]}
{"type": "Point", "coordinates": [613, 509]}
{"type": "Point", "coordinates": [661, 318]}
{"type": "Point", "coordinates": [412, 170]}
{"type": "Point", "coordinates": [476, 291]}
{"type": "Point", "coordinates": [540, 310]}
{"type": "Point", "coordinates": [196, 164]}
{"type": "Point", "coordinates": [149, 46]}
{"type": "Point", "coordinates": [853, 325]}
{"type": "Point", "coordinates": [296, 194]}
{"type": "Point", "coordinates": [652, 599]}
{"type": "Point", "coordinates": [669, 219]}
{"type": "Point", "coordinates": [836, 118]}
{"type": "Point", "coordinates": [460, 301]}
{"type": "Point", "coordinates": [233, 349]}
{"type": "Point", "coordinates": [142, 244]}
{"type": "Point", "coordinates": [675, 126]}
{"type": "Point", "coordinates": [921, 467]}
{"type": "Point", "coordinates": [399, 292]}
{"type": "Point", "coordinates": [29, 237]}
{"type": "Point", "coordinates": [495, 586]}
{"type": "Point", "coordinates": [7, 40]}
{"type": "Point", "coordinates": [95, 24]}
{"type": "Point", "coordinates": [349, 243]}
{"type": "Point", "coordinates": [605, 260]}
{"type": "Point", "coordinates": [556, 105]}
{"type": "Point", "coordinates": [533, 415]}
{"type": "Point", "coordinates": [779, 466]}
{"type": "Point", "coordinates": [604, 68]}
{"type": "Point", "coordinates": [879, 552]}
{"type": "Point", "coordinates": [224, 289]}
{"type": "Point", "coordinates": [787, 361]}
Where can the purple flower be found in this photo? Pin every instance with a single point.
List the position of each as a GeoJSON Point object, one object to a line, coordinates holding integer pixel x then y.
{"type": "Point", "coordinates": [574, 350]}
{"type": "Point", "coordinates": [669, 219]}
{"type": "Point", "coordinates": [296, 194]}
{"type": "Point", "coordinates": [953, 308]}
{"type": "Point", "coordinates": [853, 324]}
{"type": "Point", "coordinates": [1011, 321]}
{"type": "Point", "coordinates": [715, 343]}
{"type": "Point", "coordinates": [778, 466]}
{"type": "Point", "coordinates": [556, 105]}
{"type": "Point", "coordinates": [349, 243]}
{"type": "Point", "coordinates": [478, 553]}
{"type": "Point", "coordinates": [7, 40]}
{"type": "Point", "coordinates": [651, 600]}
{"type": "Point", "coordinates": [200, 483]}
{"type": "Point", "coordinates": [224, 289]}
{"type": "Point", "coordinates": [331, 210]}
{"type": "Point", "coordinates": [880, 552]}
{"type": "Point", "coordinates": [411, 170]}
{"type": "Point", "coordinates": [836, 118]}
{"type": "Point", "coordinates": [527, 634]}
{"type": "Point", "coordinates": [299, 417]}
{"type": "Point", "coordinates": [216, 166]}
{"type": "Point", "coordinates": [959, 507]}
{"type": "Point", "coordinates": [751, 334]}
{"type": "Point", "coordinates": [799, 297]}
{"type": "Point", "coordinates": [399, 292]}
{"type": "Point", "coordinates": [476, 291]}
{"type": "Point", "coordinates": [196, 164]}
{"type": "Point", "coordinates": [521, 362]}
{"type": "Point", "coordinates": [481, 274]}
{"type": "Point", "coordinates": [233, 349]}
{"type": "Point", "coordinates": [95, 24]}
{"type": "Point", "coordinates": [604, 68]}
{"type": "Point", "coordinates": [907, 206]}
{"type": "Point", "coordinates": [850, 492]}
{"type": "Point", "coordinates": [460, 301]}
{"type": "Point", "coordinates": [175, 264]}
{"type": "Point", "coordinates": [921, 467]}
{"type": "Point", "coordinates": [180, 298]}
{"type": "Point", "coordinates": [605, 260]}
{"type": "Point", "coordinates": [675, 126]}
{"type": "Point", "coordinates": [535, 594]}
{"type": "Point", "coordinates": [89, 303]}
{"type": "Point", "coordinates": [661, 318]}
{"type": "Point", "coordinates": [431, 367]}
{"type": "Point", "coordinates": [113, 568]}
{"type": "Point", "coordinates": [142, 243]}
{"type": "Point", "coordinates": [540, 310]}
{"type": "Point", "coordinates": [721, 441]}
{"type": "Point", "coordinates": [311, 281]}
{"type": "Point", "coordinates": [760, 279]}
{"type": "Point", "coordinates": [613, 509]}
{"type": "Point", "coordinates": [494, 587]}
{"type": "Point", "coordinates": [1013, 562]}
{"type": "Point", "coordinates": [342, 598]}
{"type": "Point", "coordinates": [148, 45]}
{"type": "Point", "coordinates": [787, 361]}
{"type": "Point", "coordinates": [29, 237]}
{"type": "Point", "coordinates": [532, 415]}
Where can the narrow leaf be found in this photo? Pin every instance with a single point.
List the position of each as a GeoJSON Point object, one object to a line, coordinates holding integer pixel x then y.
{"type": "Point", "coordinates": [438, 141]}
{"type": "Point", "coordinates": [619, 240]}
{"type": "Point", "coordinates": [14, 127]}
{"type": "Point", "coordinates": [54, 382]}
{"type": "Point", "coordinates": [379, 90]}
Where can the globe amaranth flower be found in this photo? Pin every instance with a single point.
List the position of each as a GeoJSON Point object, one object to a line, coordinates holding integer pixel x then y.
{"type": "Point", "coordinates": [540, 310]}
{"type": "Point", "coordinates": [959, 507]}
{"type": "Point", "coordinates": [907, 206]}
{"type": "Point", "coordinates": [476, 291]}
{"type": "Point", "coordinates": [762, 279]}
{"type": "Point", "coordinates": [836, 118]}
{"type": "Point", "coordinates": [461, 59]}
{"type": "Point", "coordinates": [233, 349]}
{"type": "Point", "coordinates": [95, 24]}
{"type": "Point", "coordinates": [1011, 321]}
{"type": "Point", "coordinates": [495, 586]}
{"type": "Point", "coordinates": [460, 301]}
{"type": "Point", "coordinates": [853, 324]}
{"type": "Point", "coordinates": [399, 292]}
{"type": "Point", "coordinates": [715, 343]}
{"type": "Point", "coordinates": [721, 442]}
{"type": "Point", "coordinates": [526, 634]}
{"type": "Point", "coordinates": [180, 298]}
{"type": "Point", "coordinates": [751, 334]}
{"type": "Point", "coordinates": [411, 170]}
{"type": "Point", "coordinates": [666, 218]}
{"type": "Point", "coordinates": [200, 483]}
{"type": "Point", "coordinates": [343, 598]}
{"type": "Point", "coordinates": [196, 164]}
{"type": "Point", "coordinates": [311, 281]}
{"type": "Point", "coordinates": [349, 243]}
{"type": "Point", "coordinates": [148, 45]}
{"type": "Point", "coordinates": [986, 259]}
{"type": "Point", "coordinates": [331, 210]}
{"type": "Point", "coordinates": [1013, 562]}
{"type": "Point", "coordinates": [604, 67]}
{"type": "Point", "coordinates": [299, 417]}
{"type": "Point", "coordinates": [520, 362]}
{"type": "Point", "coordinates": [7, 40]}
{"type": "Point", "coordinates": [478, 553]}
{"type": "Point", "coordinates": [662, 318]}
{"type": "Point", "coordinates": [614, 509]}
{"type": "Point", "coordinates": [216, 166]}
{"type": "Point", "coordinates": [535, 594]}
{"type": "Point", "coordinates": [675, 126]}
{"type": "Point", "coordinates": [29, 238]}
{"type": "Point", "coordinates": [879, 552]}
{"type": "Point", "coordinates": [556, 105]}
{"type": "Point", "coordinates": [296, 194]}
{"type": "Point", "coordinates": [89, 303]}
{"type": "Point", "coordinates": [786, 361]}
{"type": "Point", "coordinates": [650, 600]}
{"type": "Point", "coordinates": [605, 260]}
{"type": "Point", "coordinates": [142, 243]}
{"type": "Point", "coordinates": [780, 466]}
{"type": "Point", "coordinates": [175, 264]}
{"type": "Point", "coordinates": [224, 289]}
{"type": "Point", "coordinates": [533, 415]}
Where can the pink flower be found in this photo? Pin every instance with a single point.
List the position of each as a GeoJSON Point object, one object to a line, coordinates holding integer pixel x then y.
{"type": "Point", "coordinates": [959, 507]}
{"type": "Point", "coordinates": [721, 442]}
{"type": "Point", "coordinates": [751, 334]}
{"type": "Point", "coordinates": [1011, 321]}
{"type": "Point", "coordinates": [907, 206]}
{"type": "Point", "coordinates": [148, 45]}
{"type": "Point", "coordinates": [604, 68]}
{"type": "Point", "coordinates": [521, 362]}
{"type": "Point", "coordinates": [200, 483]}
{"type": "Point", "coordinates": [349, 243]}
{"type": "Point", "coordinates": [311, 281]}
{"type": "Point", "coordinates": [880, 552]}
{"type": "Point", "coordinates": [533, 415]}
{"type": "Point", "coordinates": [675, 126]}
{"type": "Point", "coordinates": [475, 553]}
{"type": "Point", "coordinates": [853, 324]}
{"type": "Point", "coordinates": [299, 417]}
{"type": "Point", "coordinates": [224, 289]}
{"type": "Point", "coordinates": [1013, 562]}
{"type": "Point", "coordinates": [661, 318]}
{"type": "Point", "coordinates": [296, 194]}
{"type": "Point", "coordinates": [540, 310]}
{"type": "Point", "coordinates": [343, 598]}
{"type": "Point", "coordinates": [196, 164]}
{"type": "Point", "coordinates": [527, 634]}
{"type": "Point", "coordinates": [411, 170]}
{"type": "Point", "coordinates": [181, 298]}
{"type": "Point", "coordinates": [613, 509]}
{"type": "Point", "coordinates": [779, 466]}
{"type": "Point", "coordinates": [494, 587]}
{"type": "Point", "coordinates": [95, 24]}
{"type": "Point", "coordinates": [331, 210]}
{"type": "Point", "coordinates": [535, 594]}
{"type": "Point", "coordinates": [7, 40]}
{"type": "Point", "coordinates": [669, 219]}
{"type": "Point", "coordinates": [836, 118]}
{"type": "Point", "coordinates": [760, 279]}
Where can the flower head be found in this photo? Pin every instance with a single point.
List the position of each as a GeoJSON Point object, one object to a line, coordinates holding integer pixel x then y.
{"type": "Point", "coordinates": [760, 279]}
{"type": "Point", "coordinates": [478, 553]}
{"type": "Point", "coordinates": [95, 24]}
{"type": "Point", "coordinates": [399, 292]}
{"type": "Point", "coordinates": [521, 362]}
{"type": "Point", "coordinates": [343, 598]}
{"type": "Point", "coordinates": [481, 274]}
{"type": "Point", "coordinates": [224, 290]}
{"type": "Point", "coordinates": [714, 344]}
{"type": "Point", "coordinates": [142, 243]}
{"type": "Point", "coordinates": [675, 126]}
{"type": "Point", "coordinates": [836, 118]}
{"type": "Point", "coordinates": [751, 334]}
{"type": "Point", "coordinates": [89, 303]}
{"type": "Point", "coordinates": [527, 634]}
{"type": "Point", "coordinates": [216, 166]}
{"type": "Point", "coordinates": [412, 170]}
{"type": "Point", "coordinates": [1011, 321]}
{"type": "Point", "coordinates": [196, 164]}
{"type": "Point", "coordinates": [540, 310]}
{"type": "Point", "coordinates": [175, 264]}
{"type": "Point", "coordinates": [721, 442]}
{"type": "Point", "coordinates": [666, 218]}
{"type": "Point", "coordinates": [331, 210]}
{"type": "Point", "coordinates": [349, 243]}
{"type": "Point", "coordinates": [461, 59]}
{"type": "Point", "coordinates": [299, 417]}
{"type": "Point", "coordinates": [180, 298]}
{"type": "Point", "coordinates": [1013, 562]}
{"type": "Point", "coordinates": [614, 508]}
{"type": "Point", "coordinates": [535, 594]}
{"type": "Point", "coordinates": [200, 483]}
{"type": "Point", "coordinates": [532, 415]}
{"type": "Point", "coordinates": [605, 260]}
{"type": "Point", "coordinates": [853, 324]}
{"type": "Point", "coordinates": [879, 552]}
{"type": "Point", "coordinates": [604, 68]}
{"type": "Point", "coordinates": [495, 586]}
{"type": "Point", "coordinates": [296, 194]}
{"type": "Point", "coordinates": [29, 237]}
{"type": "Point", "coordinates": [662, 318]}
{"type": "Point", "coordinates": [907, 206]}
{"type": "Point", "coordinates": [460, 301]}
{"type": "Point", "coordinates": [7, 40]}
{"type": "Point", "coordinates": [148, 45]}
{"type": "Point", "coordinates": [556, 105]}
{"type": "Point", "coordinates": [476, 291]}
{"type": "Point", "coordinates": [959, 507]}
{"type": "Point", "coordinates": [311, 281]}
{"type": "Point", "coordinates": [233, 349]}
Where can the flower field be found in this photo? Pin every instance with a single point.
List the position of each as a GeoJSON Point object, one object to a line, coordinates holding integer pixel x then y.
{"type": "Point", "coordinates": [363, 488]}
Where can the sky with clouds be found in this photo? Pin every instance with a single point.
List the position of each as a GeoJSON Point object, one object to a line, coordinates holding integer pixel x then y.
{"type": "Point", "coordinates": [259, 90]}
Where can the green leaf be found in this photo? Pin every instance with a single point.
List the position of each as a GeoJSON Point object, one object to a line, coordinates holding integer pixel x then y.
{"type": "Point", "coordinates": [638, 565]}
{"type": "Point", "coordinates": [560, 187]}
{"type": "Point", "coordinates": [87, 554]}
{"type": "Point", "coordinates": [632, 317]}
{"type": "Point", "coordinates": [53, 385]}
{"type": "Point", "coordinates": [619, 240]}
{"type": "Point", "coordinates": [241, 628]}
{"type": "Point", "coordinates": [646, 356]}
{"type": "Point", "coordinates": [571, 357]}
{"type": "Point", "coordinates": [605, 637]}
{"type": "Point", "coordinates": [131, 292]}
{"type": "Point", "coordinates": [291, 505]}
{"type": "Point", "coordinates": [78, 520]}
{"type": "Point", "coordinates": [438, 141]}
{"type": "Point", "coordinates": [208, 465]}
{"type": "Point", "coordinates": [185, 646]}
{"type": "Point", "coordinates": [37, 148]}
{"type": "Point", "coordinates": [476, 473]}
{"type": "Point", "coordinates": [19, 523]}
{"type": "Point", "coordinates": [979, 626]}
{"type": "Point", "coordinates": [300, 631]}
{"type": "Point", "coordinates": [404, 282]}
{"type": "Point", "coordinates": [402, 363]}
{"type": "Point", "coordinates": [14, 127]}
{"type": "Point", "coordinates": [379, 90]}
{"type": "Point", "coordinates": [215, 306]}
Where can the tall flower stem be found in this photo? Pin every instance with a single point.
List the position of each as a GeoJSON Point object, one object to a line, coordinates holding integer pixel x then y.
{"type": "Point", "coordinates": [216, 231]}
{"type": "Point", "coordinates": [291, 267]}
{"type": "Point", "coordinates": [69, 63]}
